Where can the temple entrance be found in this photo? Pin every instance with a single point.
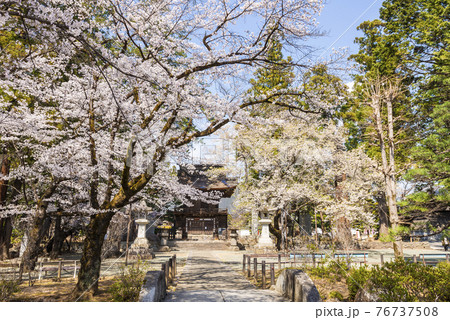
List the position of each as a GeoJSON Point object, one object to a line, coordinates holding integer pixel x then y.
{"type": "Point", "coordinates": [203, 218]}
{"type": "Point", "coordinates": [197, 226]}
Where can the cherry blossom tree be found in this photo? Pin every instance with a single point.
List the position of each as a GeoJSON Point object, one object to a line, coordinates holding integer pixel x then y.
{"type": "Point", "coordinates": [109, 90]}
{"type": "Point", "coordinates": [299, 168]}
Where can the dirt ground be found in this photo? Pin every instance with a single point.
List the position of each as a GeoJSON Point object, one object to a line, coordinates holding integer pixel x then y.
{"type": "Point", "coordinates": [327, 286]}
{"type": "Point", "coordinates": [53, 291]}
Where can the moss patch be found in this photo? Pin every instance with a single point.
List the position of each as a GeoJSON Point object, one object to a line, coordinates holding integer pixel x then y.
{"type": "Point", "coordinates": [52, 291]}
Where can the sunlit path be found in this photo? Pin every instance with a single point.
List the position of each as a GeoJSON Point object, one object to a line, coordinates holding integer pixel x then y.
{"type": "Point", "coordinates": [206, 279]}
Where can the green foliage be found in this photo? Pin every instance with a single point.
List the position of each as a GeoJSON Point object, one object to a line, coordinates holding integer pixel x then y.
{"type": "Point", "coordinates": [128, 285]}
{"type": "Point", "coordinates": [422, 31]}
{"type": "Point", "coordinates": [312, 247]}
{"type": "Point", "coordinates": [275, 75]}
{"type": "Point", "coordinates": [394, 233]}
{"type": "Point", "coordinates": [8, 288]}
{"type": "Point", "coordinates": [357, 278]}
{"type": "Point", "coordinates": [409, 282]}
{"type": "Point", "coordinates": [411, 42]}
{"type": "Point", "coordinates": [446, 233]}
{"type": "Point", "coordinates": [397, 281]}
{"type": "Point", "coordinates": [334, 269]}
{"type": "Point", "coordinates": [337, 295]}
{"type": "Point", "coordinates": [16, 236]}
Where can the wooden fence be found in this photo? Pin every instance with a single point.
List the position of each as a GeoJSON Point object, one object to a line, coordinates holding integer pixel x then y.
{"type": "Point", "coordinates": [170, 270]}
{"type": "Point", "coordinates": [69, 269]}
{"type": "Point", "coordinates": [284, 260]}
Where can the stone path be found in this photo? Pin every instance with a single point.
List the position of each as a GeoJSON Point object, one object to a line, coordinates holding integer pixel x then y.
{"type": "Point", "coordinates": [205, 278]}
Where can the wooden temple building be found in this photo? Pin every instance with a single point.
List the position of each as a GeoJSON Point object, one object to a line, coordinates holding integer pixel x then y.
{"type": "Point", "coordinates": [203, 219]}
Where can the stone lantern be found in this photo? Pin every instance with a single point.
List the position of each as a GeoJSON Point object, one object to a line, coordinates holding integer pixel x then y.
{"type": "Point", "coordinates": [265, 243]}
{"type": "Point", "coordinates": [141, 246]}
{"type": "Point", "coordinates": [233, 241]}
{"type": "Point", "coordinates": [164, 236]}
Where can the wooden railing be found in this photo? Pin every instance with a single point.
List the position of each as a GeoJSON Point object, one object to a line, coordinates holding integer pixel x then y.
{"type": "Point", "coordinates": [170, 270]}
{"type": "Point", "coordinates": [69, 268]}
{"type": "Point", "coordinates": [49, 269]}
{"type": "Point", "coordinates": [283, 260]}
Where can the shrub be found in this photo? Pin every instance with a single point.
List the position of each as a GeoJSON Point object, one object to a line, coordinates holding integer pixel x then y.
{"type": "Point", "coordinates": [401, 281]}
{"type": "Point", "coordinates": [128, 285]}
{"type": "Point", "coordinates": [337, 295]}
{"type": "Point", "coordinates": [331, 269]}
{"type": "Point", "coordinates": [8, 288]}
{"type": "Point", "coordinates": [356, 279]}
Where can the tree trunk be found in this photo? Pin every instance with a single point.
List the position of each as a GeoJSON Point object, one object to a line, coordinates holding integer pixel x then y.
{"type": "Point", "coordinates": [343, 227]}
{"type": "Point", "coordinates": [392, 194]}
{"type": "Point", "coordinates": [388, 168]}
{"type": "Point", "coordinates": [58, 239]}
{"type": "Point", "coordinates": [35, 235]}
{"type": "Point", "coordinates": [275, 229]}
{"type": "Point", "coordinates": [344, 234]}
{"type": "Point", "coordinates": [5, 223]}
{"type": "Point", "coordinates": [89, 273]}
{"type": "Point", "coordinates": [5, 237]}
{"type": "Point", "coordinates": [383, 212]}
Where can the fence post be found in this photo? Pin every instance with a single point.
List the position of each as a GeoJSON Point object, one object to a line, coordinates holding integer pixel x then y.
{"type": "Point", "coordinates": [414, 258]}
{"type": "Point", "coordinates": [40, 271]}
{"type": "Point", "coordinates": [243, 262]}
{"type": "Point", "coordinates": [163, 269]}
{"type": "Point", "coordinates": [294, 260]}
{"type": "Point", "coordinates": [167, 272]}
{"type": "Point", "coordinates": [365, 261]}
{"type": "Point", "coordinates": [381, 259]}
{"type": "Point", "coordinates": [255, 268]}
{"type": "Point", "coordinates": [170, 268]}
{"type": "Point", "coordinates": [279, 261]}
{"type": "Point", "coordinates": [446, 257]}
{"type": "Point", "coordinates": [59, 269]}
{"type": "Point", "coordinates": [75, 269]}
{"type": "Point", "coordinates": [313, 259]}
{"type": "Point", "coordinates": [263, 272]}
{"type": "Point", "coordinates": [272, 274]}
{"type": "Point", "coordinates": [174, 267]}
{"type": "Point", "coordinates": [248, 266]}
{"type": "Point", "coordinates": [423, 259]}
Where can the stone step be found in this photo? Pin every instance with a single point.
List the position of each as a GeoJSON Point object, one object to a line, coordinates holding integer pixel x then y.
{"type": "Point", "coordinates": [201, 244]}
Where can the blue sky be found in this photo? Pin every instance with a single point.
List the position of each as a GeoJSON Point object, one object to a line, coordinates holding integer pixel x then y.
{"type": "Point", "coordinates": [337, 16]}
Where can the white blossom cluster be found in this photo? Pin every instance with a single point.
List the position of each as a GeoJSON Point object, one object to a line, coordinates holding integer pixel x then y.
{"type": "Point", "coordinates": [298, 164]}
{"type": "Point", "coordinates": [81, 81]}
